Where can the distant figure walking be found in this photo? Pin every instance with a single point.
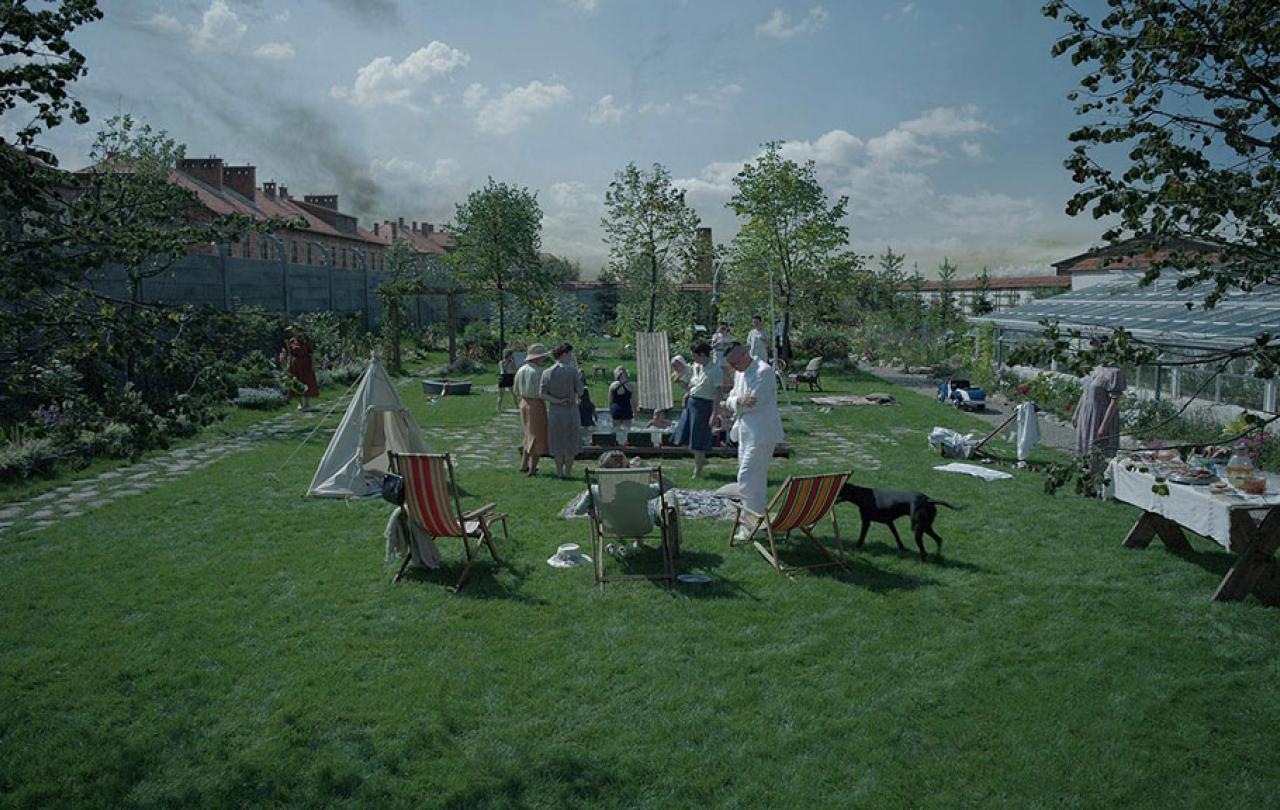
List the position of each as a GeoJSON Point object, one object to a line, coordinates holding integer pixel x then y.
{"type": "Point", "coordinates": [1097, 414]}
{"type": "Point", "coordinates": [758, 340]}
{"type": "Point", "coordinates": [507, 378]}
{"type": "Point", "coordinates": [296, 356]}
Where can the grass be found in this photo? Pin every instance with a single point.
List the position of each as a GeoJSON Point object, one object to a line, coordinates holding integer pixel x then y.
{"type": "Point", "coordinates": [221, 641]}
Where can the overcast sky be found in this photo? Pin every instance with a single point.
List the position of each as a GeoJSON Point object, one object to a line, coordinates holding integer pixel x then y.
{"type": "Point", "coordinates": [944, 122]}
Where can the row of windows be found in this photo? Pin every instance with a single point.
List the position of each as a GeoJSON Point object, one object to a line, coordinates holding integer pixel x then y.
{"type": "Point", "coordinates": [307, 252]}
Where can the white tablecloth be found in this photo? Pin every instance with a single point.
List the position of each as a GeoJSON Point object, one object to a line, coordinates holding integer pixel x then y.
{"type": "Point", "coordinates": [1194, 508]}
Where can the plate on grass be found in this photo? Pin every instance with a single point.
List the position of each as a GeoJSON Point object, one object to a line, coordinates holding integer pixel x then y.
{"type": "Point", "coordinates": [693, 579]}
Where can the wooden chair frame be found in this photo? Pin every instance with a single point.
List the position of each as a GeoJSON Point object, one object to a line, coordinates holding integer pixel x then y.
{"type": "Point", "coordinates": [811, 376]}
{"type": "Point", "coordinates": [754, 522]}
{"type": "Point", "coordinates": [481, 520]}
{"type": "Point", "coordinates": [666, 525]}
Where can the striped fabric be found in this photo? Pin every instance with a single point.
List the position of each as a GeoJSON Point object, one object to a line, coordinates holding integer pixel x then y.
{"type": "Point", "coordinates": [426, 493]}
{"type": "Point", "coordinates": [805, 500]}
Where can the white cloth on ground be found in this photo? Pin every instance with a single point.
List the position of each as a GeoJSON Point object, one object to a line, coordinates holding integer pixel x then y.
{"type": "Point", "coordinates": [952, 443]}
{"type": "Point", "coordinates": [973, 469]}
{"type": "Point", "coordinates": [1028, 433]}
{"type": "Point", "coordinates": [401, 533]}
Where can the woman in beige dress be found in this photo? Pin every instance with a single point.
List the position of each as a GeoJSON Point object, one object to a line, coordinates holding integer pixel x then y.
{"type": "Point", "coordinates": [527, 386]}
{"type": "Point", "coordinates": [561, 388]}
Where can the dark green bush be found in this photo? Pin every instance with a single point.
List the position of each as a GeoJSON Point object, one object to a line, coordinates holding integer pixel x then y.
{"type": "Point", "coordinates": [827, 344]}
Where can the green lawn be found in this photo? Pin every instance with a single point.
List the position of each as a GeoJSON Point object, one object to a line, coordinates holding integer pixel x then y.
{"type": "Point", "coordinates": [222, 641]}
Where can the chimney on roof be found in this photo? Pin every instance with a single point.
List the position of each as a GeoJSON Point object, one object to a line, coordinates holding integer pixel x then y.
{"type": "Point", "coordinates": [206, 170]}
{"type": "Point", "coordinates": [240, 179]}
{"type": "Point", "coordinates": [415, 226]}
{"type": "Point", "coordinates": [375, 229]}
{"type": "Point", "coordinates": [269, 188]}
{"type": "Point", "coordinates": [322, 200]}
{"type": "Point", "coordinates": [428, 228]}
{"type": "Point", "coordinates": [284, 192]}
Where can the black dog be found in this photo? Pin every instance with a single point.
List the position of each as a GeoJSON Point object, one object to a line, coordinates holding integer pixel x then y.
{"type": "Point", "coordinates": [885, 506]}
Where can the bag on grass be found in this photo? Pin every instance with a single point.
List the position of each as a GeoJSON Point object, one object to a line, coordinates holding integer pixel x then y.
{"type": "Point", "coordinates": [393, 489]}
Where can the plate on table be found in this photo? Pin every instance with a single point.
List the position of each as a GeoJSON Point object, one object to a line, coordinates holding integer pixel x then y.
{"type": "Point", "coordinates": [1194, 479]}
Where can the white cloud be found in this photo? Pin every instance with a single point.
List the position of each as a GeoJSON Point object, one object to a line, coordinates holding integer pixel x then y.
{"type": "Point", "coordinates": [893, 196]}
{"type": "Point", "coordinates": [909, 9]}
{"type": "Point", "coordinates": [220, 29]}
{"type": "Point", "coordinates": [515, 109]}
{"type": "Point", "coordinates": [571, 223]}
{"type": "Point", "coordinates": [282, 17]}
{"type": "Point", "coordinates": [947, 121]}
{"type": "Point", "coordinates": [779, 25]}
{"type": "Point", "coordinates": [473, 95]}
{"type": "Point", "coordinates": [397, 171]}
{"type": "Point", "coordinates": [584, 6]}
{"type": "Point", "coordinates": [972, 150]}
{"type": "Point", "coordinates": [384, 81]}
{"type": "Point", "coordinates": [275, 51]}
{"type": "Point", "coordinates": [165, 24]}
{"type": "Point", "coordinates": [607, 111]}
{"type": "Point", "coordinates": [719, 96]}
{"type": "Point", "coordinates": [655, 108]}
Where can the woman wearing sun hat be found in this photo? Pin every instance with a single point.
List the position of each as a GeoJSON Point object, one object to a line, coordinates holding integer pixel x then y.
{"type": "Point", "coordinates": [533, 410]}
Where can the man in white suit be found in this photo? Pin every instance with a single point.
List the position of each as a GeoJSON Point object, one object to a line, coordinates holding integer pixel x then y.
{"type": "Point", "coordinates": [757, 426]}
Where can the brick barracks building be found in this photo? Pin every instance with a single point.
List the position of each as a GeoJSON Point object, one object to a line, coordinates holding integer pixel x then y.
{"type": "Point", "coordinates": [324, 236]}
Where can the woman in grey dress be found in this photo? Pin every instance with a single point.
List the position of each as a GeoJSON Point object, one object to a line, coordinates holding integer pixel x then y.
{"type": "Point", "coordinates": [1097, 415]}
{"type": "Point", "coordinates": [561, 388]}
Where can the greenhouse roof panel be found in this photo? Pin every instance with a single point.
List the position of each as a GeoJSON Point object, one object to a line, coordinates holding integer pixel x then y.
{"type": "Point", "coordinates": [1157, 312]}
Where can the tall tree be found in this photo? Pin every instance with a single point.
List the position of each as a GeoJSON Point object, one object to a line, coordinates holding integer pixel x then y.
{"type": "Point", "coordinates": [1182, 138]}
{"type": "Point", "coordinates": [793, 234]}
{"type": "Point", "coordinates": [404, 279]}
{"type": "Point", "coordinates": [892, 275]}
{"type": "Point", "coordinates": [498, 233]}
{"type": "Point", "coordinates": [946, 292]}
{"type": "Point", "coordinates": [651, 232]}
{"type": "Point", "coordinates": [981, 304]}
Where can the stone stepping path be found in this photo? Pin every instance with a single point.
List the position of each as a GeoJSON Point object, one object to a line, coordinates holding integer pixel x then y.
{"type": "Point", "coordinates": [70, 500]}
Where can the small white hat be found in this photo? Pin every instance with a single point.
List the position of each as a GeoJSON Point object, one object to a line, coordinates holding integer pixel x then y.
{"type": "Point", "coordinates": [568, 555]}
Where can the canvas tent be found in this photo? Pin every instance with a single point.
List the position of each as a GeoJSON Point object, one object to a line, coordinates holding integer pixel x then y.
{"type": "Point", "coordinates": [376, 422]}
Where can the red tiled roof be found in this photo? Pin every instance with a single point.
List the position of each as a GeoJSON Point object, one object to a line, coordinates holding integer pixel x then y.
{"type": "Point", "coordinates": [1130, 254]}
{"type": "Point", "coordinates": [435, 243]}
{"type": "Point", "coordinates": [263, 206]}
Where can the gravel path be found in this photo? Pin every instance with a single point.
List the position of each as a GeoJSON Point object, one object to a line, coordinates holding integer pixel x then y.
{"type": "Point", "coordinates": [1054, 433]}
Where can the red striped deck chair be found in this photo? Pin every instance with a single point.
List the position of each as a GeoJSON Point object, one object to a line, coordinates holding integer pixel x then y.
{"type": "Point", "coordinates": [799, 505]}
{"type": "Point", "coordinates": [431, 501]}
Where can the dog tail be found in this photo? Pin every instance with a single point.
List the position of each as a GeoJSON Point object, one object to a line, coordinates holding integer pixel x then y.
{"type": "Point", "coordinates": [944, 503]}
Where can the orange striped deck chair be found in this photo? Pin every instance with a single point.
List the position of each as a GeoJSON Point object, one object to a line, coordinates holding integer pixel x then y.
{"type": "Point", "coordinates": [799, 505]}
{"type": "Point", "coordinates": [431, 501]}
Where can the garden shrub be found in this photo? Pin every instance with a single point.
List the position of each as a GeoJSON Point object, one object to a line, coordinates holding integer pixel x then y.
{"type": "Point", "coordinates": [35, 456]}
{"type": "Point", "coordinates": [480, 342]}
{"type": "Point", "coordinates": [260, 398]}
{"type": "Point", "coordinates": [344, 374]}
{"type": "Point", "coordinates": [828, 344]}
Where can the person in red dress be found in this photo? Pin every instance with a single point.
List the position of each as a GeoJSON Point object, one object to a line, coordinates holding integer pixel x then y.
{"type": "Point", "coordinates": [297, 354]}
